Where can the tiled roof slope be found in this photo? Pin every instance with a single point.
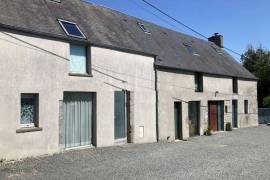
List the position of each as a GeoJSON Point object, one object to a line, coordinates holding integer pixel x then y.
{"type": "Point", "coordinates": [104, 26]}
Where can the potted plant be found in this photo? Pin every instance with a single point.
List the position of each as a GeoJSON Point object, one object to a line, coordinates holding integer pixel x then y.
{"type": "Point", "coordinates": [208, 131]}
{"type": "Point", "coordinates": [228, 126]}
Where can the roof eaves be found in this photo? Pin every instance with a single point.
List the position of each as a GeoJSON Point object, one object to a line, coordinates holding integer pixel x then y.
{"type": "Point", "coordinates": [43, 34]}
{"type": "Point", "coordinates": [164, 67]}
{"type": "Point", "coordinates": [72, 40]}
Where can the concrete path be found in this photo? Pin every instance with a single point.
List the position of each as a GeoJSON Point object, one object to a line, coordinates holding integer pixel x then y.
{"type": "Point", "coordinates": [241, 154]}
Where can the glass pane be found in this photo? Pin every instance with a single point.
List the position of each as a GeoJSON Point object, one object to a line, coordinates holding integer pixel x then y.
{"type": "Point", "coordinates": [196, 82]}
{"type": "Point", "coordinates": [246, 106]}
{"type": "Point", "coordinates": [72, 29]}
{"type": "Point", "coordinates": [78, 59]}
{"type": "Point", "coordinates": [78, 119]}
{"type": "Point", "coordinates": [27, 109]}
{"type": "Point", "coordinates": [119, 115]}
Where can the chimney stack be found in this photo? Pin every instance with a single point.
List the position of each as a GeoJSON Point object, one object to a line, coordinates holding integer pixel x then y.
{"type": "Point", "coordinates": [217, 39]}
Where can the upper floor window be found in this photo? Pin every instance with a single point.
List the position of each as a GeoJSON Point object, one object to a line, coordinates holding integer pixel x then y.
{"type": "Point", "coordinates": [198, 82]}
{"type": "Point", "coordinates": [235, 85]}
{"type": "Point", "coordinates": [78, 59]}
{"type": "Point", "coordinates": [246, 106]}
{"type": "Point", "coordinates": [29, 110]}
{"type": "Point", "coordinates": [71, 29]}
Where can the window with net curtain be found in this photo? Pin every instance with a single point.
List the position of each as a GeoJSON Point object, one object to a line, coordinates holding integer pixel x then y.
{"type": "Point", "coordinates": [78, 59]}
{"type": "Point", "coordinates": [29, 110]}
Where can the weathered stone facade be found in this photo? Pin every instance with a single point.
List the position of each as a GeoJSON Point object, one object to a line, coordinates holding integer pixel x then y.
{"type": "Point", "coordinates": [31, 64]}
{"type": "Point", "coordinates": [176, 86]}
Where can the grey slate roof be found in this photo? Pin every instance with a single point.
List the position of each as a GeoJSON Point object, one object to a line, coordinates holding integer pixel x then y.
{"type": "Point", "coordinates": [103, 26]}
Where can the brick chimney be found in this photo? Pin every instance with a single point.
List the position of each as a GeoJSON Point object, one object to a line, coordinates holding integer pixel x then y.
{"type": "Point", "coordinates": [217, 39]}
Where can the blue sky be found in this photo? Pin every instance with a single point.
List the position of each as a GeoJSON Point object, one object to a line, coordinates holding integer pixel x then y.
{"type": "Point", "coordinates": [241, 22]}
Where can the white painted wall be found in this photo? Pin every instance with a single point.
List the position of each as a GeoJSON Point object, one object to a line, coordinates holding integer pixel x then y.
{"type": "Point", "coordinates": [37, 65]}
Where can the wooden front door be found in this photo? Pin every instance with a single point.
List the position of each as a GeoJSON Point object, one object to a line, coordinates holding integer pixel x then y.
{"type": "Point", "coordinates": [213, 113]}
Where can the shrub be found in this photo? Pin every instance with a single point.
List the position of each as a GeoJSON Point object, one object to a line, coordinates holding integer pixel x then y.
{"type": "Point", "coordinates": [266, 101]}
{"type": "Point", "coordinates": [208, 132]}
{"type": "Point", "coordinates": [228, 126]}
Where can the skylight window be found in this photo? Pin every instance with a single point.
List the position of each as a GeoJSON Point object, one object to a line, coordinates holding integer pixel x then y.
{"type": "Point", "coordinates": [191, 50]}
{"type": "Point", "coordinates": [71, 29]}
{"type": "Point", "coordinates": [142, 26]}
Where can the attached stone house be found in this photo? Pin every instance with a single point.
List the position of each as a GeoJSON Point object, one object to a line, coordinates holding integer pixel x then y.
{"type": "Point", "coordinates": [215, 106]}
{"type": "Point", "coordinates": [74, 74]}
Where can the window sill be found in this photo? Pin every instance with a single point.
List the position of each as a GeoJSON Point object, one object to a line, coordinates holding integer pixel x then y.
{"type": "Point", "coordinates": [32, 129]}
{"type": "Point", "coordinates": [80, 75]}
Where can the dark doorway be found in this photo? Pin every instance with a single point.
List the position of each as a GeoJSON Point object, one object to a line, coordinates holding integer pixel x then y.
{"type": "Point", "coordinates": [129, 132]}
{"type": "Point", "coordinates": [234, 113]}
{"type": "Point", "coordinates": [194, 118]}
{"type": "Point", "coordinates": [178, 120]}
{"type": "Point", "coordinates": [216, 115]}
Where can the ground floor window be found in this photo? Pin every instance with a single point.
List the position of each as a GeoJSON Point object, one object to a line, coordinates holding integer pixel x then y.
{"type": "Point", "coordinates": [246, 106]}
{"type": "Point", "coordinates": [29, 110]}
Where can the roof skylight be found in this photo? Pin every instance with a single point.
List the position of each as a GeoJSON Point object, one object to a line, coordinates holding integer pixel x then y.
{"type": "Point", "coordinates": [71, 29]}
{"type": "Point", "coordinates": [191, 50]}
{"type": "Point", "coordinates": [142, 26]}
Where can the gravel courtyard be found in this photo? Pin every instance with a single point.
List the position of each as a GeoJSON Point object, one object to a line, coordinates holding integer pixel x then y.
{"type": "Point", "coordinates": [241, 154]}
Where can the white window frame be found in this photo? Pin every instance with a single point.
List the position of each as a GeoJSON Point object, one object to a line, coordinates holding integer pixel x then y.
{"type": "Point", "coordinates": [29, 125]}
{"type": "Point", "coordinates": [63, 27]}
{"type": "Point", "coordinates": [88, 70]}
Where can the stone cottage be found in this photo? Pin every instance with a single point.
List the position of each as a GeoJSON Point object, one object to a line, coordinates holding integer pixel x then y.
{"type": "Point", "coordinates": [75, 75]}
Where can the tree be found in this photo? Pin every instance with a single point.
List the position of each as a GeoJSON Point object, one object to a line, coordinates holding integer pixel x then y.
{"type": "Point", "coordinates": [257, 61]}
{"type": "Point", "coordinates": [266, 101]}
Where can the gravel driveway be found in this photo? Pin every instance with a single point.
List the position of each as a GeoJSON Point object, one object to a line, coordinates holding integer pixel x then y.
{"type": "Point", "coordinates": [241, 154]}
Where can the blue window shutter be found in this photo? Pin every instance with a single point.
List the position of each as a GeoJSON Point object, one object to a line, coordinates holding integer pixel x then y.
{"type": "Point", "coordinates": [78, 59]}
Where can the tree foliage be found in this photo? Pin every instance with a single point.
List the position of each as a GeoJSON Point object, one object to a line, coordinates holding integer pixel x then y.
{"type": "Point", "coordinates": [257, 61]}
{"type": "Point", "coordinates": [266, 101]}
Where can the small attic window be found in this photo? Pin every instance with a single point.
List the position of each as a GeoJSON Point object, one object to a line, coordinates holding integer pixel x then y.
{"type": "Point", "coordinates": [142, 26]}
{"type": "Point", "coordinates": [71, 29]}
{"type": "Point", "coordinates": [191, 50]}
